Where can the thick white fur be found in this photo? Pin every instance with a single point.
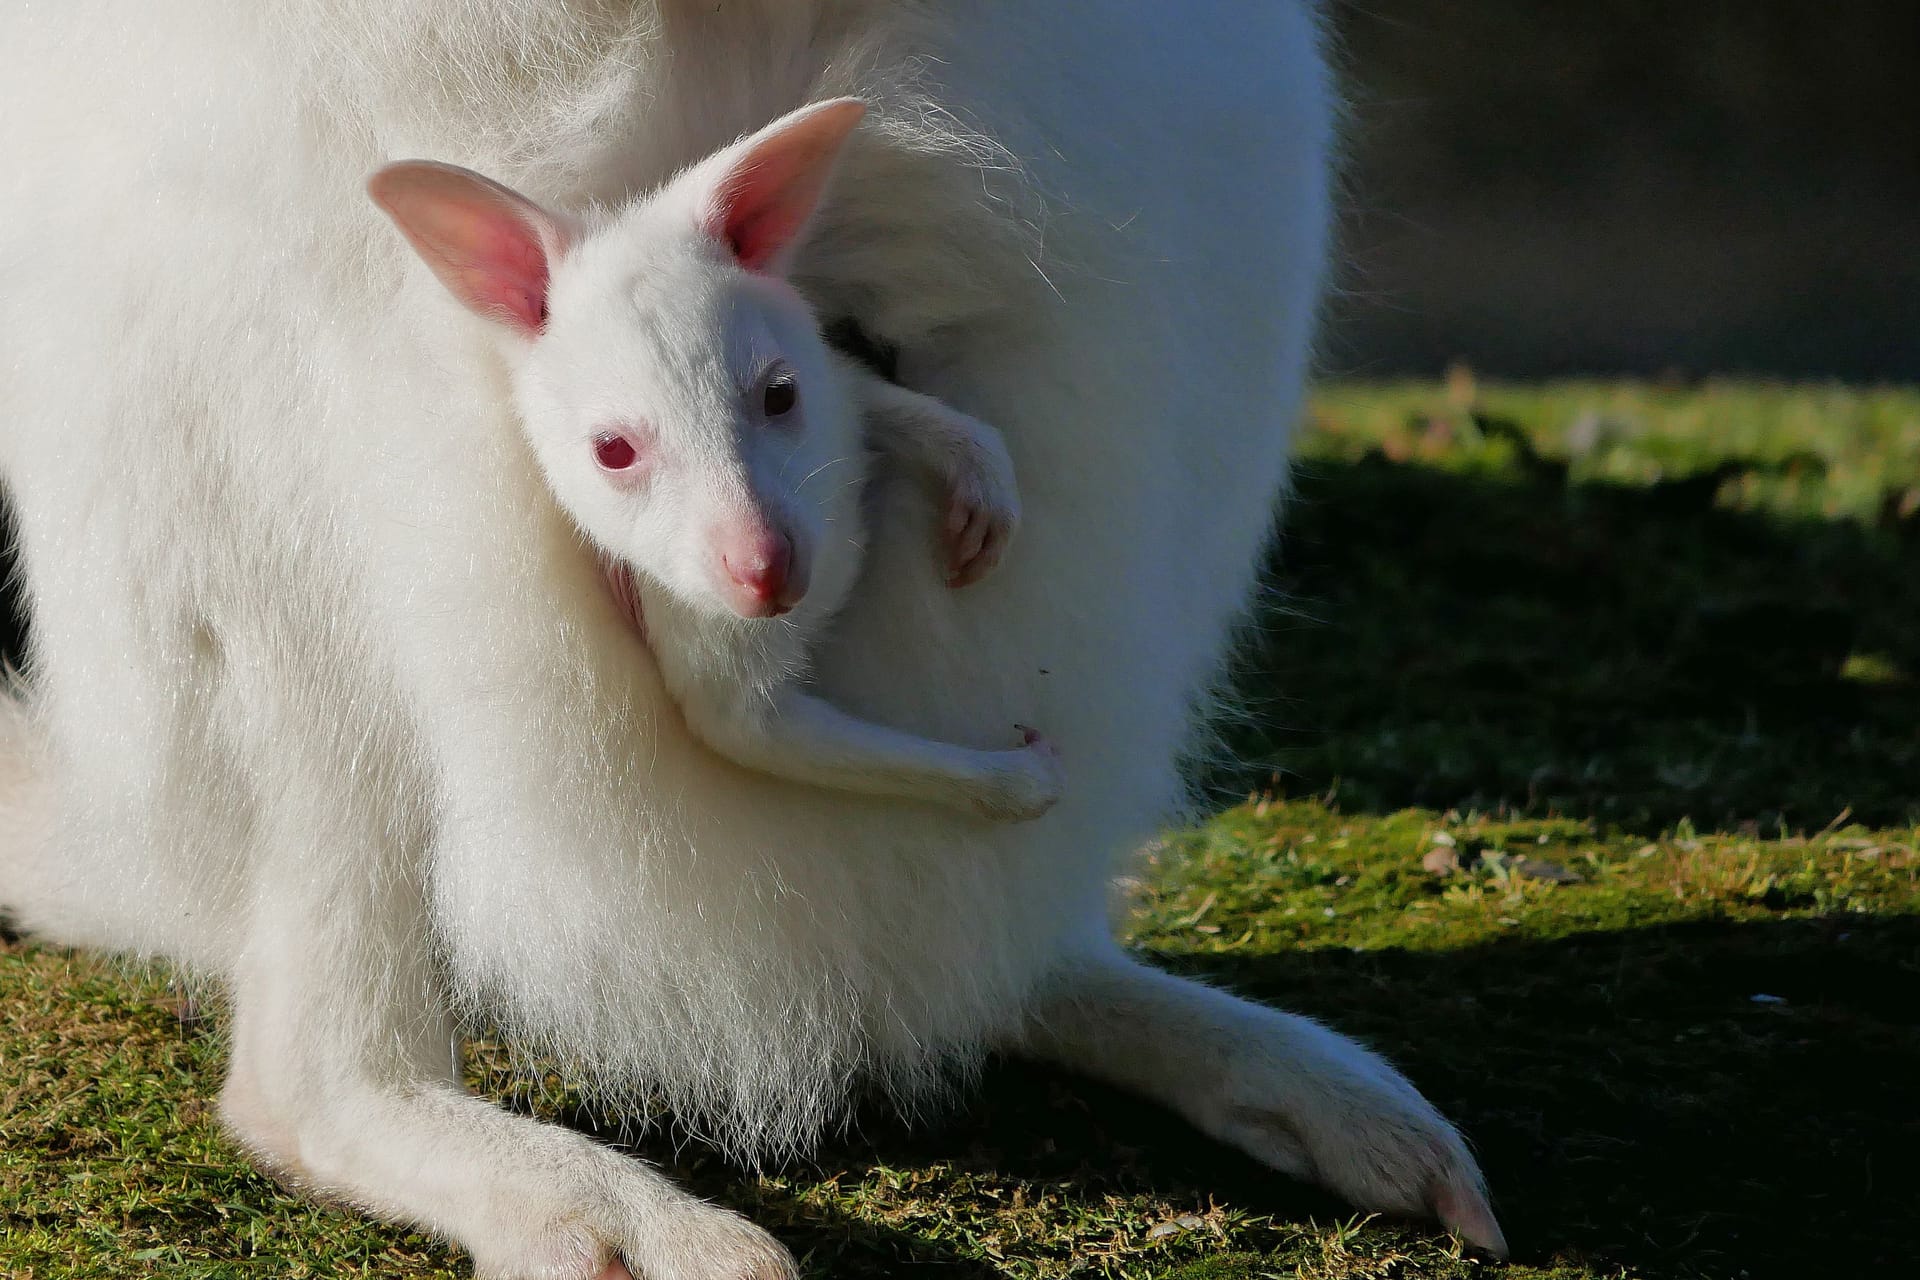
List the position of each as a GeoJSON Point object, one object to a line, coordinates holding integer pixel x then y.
{"type": "Point", "coordinates": [343, 715]}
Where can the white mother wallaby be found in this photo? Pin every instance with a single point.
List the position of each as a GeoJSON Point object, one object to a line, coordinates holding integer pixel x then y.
{"type": "Point", "coordinates": [328, 700]}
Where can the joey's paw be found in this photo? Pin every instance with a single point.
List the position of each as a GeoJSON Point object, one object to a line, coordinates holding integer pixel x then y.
{"type": "Point", "coordinates": [1028, 782]}
{"type": "Point", "coordinates": [982, 517]}
{"type": "Point", "coordinates": [1363, 1132]}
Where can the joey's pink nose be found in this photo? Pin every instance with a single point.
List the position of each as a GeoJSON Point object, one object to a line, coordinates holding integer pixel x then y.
{"type": "Point", "coordinates": [760, 565]}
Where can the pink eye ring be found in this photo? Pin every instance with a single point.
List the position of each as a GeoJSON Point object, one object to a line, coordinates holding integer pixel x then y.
{"type": "Point", "coordinates": [614, 451]}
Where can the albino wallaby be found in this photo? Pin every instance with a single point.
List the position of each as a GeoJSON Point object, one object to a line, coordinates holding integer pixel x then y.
{"type": "Point", "coordinates": [326, 699]}
{"type": "Point", "coordinates": [692, 421]}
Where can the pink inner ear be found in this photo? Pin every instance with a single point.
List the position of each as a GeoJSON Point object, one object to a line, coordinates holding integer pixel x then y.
{"type": "Point", "coordinates": [762, 204]}
{"type": "Point", "coordinates": [488, 245]}
{"type": "Point", "coordinates": [502, 271]}
{"type": "Point", "coordinates": [758, 231]}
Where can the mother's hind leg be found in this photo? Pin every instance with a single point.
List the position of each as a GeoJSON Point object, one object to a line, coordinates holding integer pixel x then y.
{"type": "Point", "coordinates": [1282, 1088]}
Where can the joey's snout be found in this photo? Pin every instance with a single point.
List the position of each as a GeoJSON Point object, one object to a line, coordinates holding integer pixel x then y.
{"type": "Point", "coordinates": [760, 571]}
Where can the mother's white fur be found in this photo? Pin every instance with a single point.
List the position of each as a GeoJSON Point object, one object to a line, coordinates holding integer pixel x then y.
{"type": "Point", "coordinates": [329, 701]}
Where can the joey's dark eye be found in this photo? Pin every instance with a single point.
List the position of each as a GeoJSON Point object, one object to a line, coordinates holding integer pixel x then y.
{"type": "Point", "coordinates": [613, 451]}
{"type": "Point", "coordinates": [780, 396]}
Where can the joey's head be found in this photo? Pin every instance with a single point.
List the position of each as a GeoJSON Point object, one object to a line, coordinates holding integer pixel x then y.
{"type": "Point", "coordinates": [674, 386]}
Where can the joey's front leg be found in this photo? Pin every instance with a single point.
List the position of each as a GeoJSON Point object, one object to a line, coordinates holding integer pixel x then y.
{"type": "Point", "coordinates": [792, 734]}
{"type": "Point", "coordinates": [967, 458]}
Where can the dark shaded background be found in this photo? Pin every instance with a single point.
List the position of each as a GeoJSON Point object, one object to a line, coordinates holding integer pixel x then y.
{"type": "Point", "coordinates": [1631, 186]}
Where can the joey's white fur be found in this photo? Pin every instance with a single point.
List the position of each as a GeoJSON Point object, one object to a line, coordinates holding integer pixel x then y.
{"type": "Point", "coordinates": [329, 700]}
{"type": "Point", "coordinates": [693, 422]}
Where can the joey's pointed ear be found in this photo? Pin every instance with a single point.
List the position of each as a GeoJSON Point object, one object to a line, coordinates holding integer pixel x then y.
{"type": "Point", "coordinates": [764, 189]}
{"type": "Point", "coordinates": [491, 247]}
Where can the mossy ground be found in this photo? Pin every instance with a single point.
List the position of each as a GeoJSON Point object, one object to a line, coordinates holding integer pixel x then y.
{"type": "Point", "coordinates": [1581, 741]}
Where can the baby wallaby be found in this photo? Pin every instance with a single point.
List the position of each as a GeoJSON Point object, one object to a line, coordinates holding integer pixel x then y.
{"type": "Point", "coordinates": [693, 422]}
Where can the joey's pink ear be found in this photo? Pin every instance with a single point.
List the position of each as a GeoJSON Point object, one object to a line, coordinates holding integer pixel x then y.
{"type": "Point", "coordinates": [490, 246]}
{"type": "Point", "coordinates": [768, 185]}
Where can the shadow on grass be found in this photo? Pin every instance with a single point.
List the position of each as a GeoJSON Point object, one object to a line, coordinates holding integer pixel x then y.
{"type": "Point", "coordinates": [1096, 1167]}
{"type": "Point", "coordinates": [1633, 1105]}
{"type": "Point", "coordinates": [1504, 638]}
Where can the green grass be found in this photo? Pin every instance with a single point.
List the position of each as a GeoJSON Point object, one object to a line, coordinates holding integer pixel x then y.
{"type": "Point", "coordinates": [1581, 717]}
